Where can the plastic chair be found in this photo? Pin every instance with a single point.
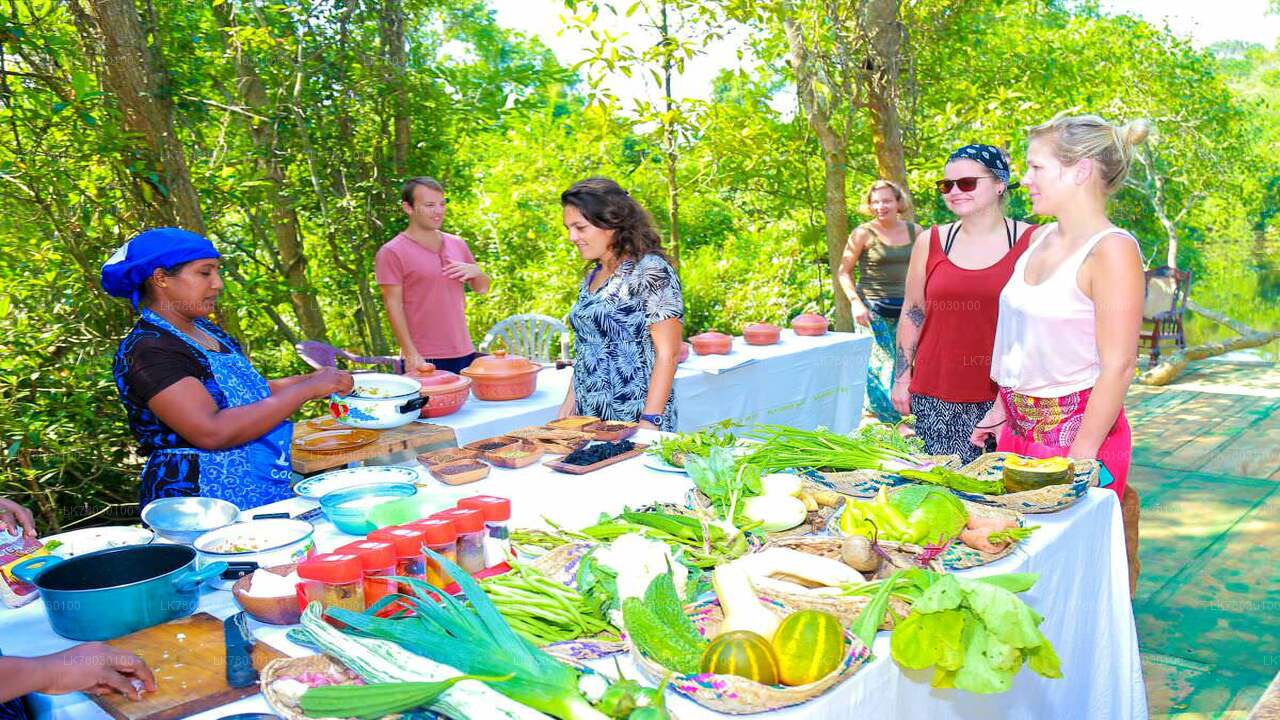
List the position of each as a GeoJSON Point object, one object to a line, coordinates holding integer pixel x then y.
{"type": "Point", "coordinates": [1166, 302]}
{"type": "Point", "coordinates": [318, 355]}
{"type": "Point", "coordinates": [536, 337]}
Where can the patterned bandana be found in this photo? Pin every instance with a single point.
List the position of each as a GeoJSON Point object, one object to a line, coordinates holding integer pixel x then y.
{"type": "Point", "coordinates": [988, 155]}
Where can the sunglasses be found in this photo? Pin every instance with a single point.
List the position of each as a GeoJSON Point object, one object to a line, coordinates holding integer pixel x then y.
{"type": "Point", "coordinates": [966, 184]}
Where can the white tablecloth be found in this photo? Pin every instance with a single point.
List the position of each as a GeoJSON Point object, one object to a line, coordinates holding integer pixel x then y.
{"type": "Point", "coordinates": [1082, 592]}
{"type": "Point", "coordinates": [802, 381]}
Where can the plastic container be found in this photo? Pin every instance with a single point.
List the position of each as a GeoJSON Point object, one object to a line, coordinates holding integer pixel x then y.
{"type": "Point", "coordinates": [349, 509]}
{"type": "Point", "coordinates": [441, 537]}
{"type": "Point", "coordinates": [378, 558]}
{"type": "Point", "coordinates": [335, 580]}
{"type": "Point", "coordinates": [497, 516]}
{"type": "Point", "coordinates": [471, 533]}
{"type": "Point", "coordinates": [410, 560]}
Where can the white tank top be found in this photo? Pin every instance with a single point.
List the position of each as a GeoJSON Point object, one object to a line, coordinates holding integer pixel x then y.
{"type": "Point", "coordinates": [1045, 335]}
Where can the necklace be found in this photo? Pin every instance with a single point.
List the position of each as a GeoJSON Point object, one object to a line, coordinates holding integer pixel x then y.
{"type": "Point", "coordinates": [206, 340]}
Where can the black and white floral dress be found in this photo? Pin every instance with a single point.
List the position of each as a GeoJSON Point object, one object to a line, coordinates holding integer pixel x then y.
{"type": "Point", "coordinates": [613, 358]}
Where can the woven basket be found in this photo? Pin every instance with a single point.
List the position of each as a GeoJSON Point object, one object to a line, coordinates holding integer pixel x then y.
{"type": "Point", "coordinates": [845, 607]}
{"type": "Point", "coordinates": [817, 521]}
{"type": "Point", "coordinates": [291, 667]}
{"type": "Point", "coordinates": [1048, 499]}
{"type": "Point", "coordinates": [561, 565]}
{"type": "Point", "coordinates": [740, 696]}
{"type": "Point", "coordinates": [866, 483]}
{"type": "Point", "coordinates": [957, 555]}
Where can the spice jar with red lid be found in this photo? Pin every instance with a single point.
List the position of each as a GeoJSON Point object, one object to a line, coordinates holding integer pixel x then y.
{"type": "Point", "coordinates": [410, 560]}
{"type": "Point", "coordinates": [497, 515]}
{"type": "Point", "coordinates": [378, 558]}
{"type": "Point", "coordinates": [471, 531]}
{"type": "Point", "coordinates": [335, 580]}
{"type": "Point", "coordinates": [441, 537]}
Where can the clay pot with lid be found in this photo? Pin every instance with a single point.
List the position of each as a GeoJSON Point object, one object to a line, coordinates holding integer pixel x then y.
{"type": "Point", "coordinates": [447, 391]}
{"type": "Point", "coordinates": [711, 343]}
{"type": "Point", "coordinates": [685, 349]}
{"type": "Point", "coordinates": [811, 324]}
{"type": "Point", "coordinates": [502, 377]}
{"type": "Point", "coordinates": [761, 334]}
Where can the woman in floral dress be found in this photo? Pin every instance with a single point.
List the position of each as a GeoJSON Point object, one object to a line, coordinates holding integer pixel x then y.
{"type": "Point", "coordinates": [627, 320]}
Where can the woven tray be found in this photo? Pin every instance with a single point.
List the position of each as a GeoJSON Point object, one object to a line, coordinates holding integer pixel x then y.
{"type": "Point", "coordinates": [845, 607]}
{"type": "Point", "coordinates": [866, 483]}
{"type": "Point", "coordinates": [957, 555]}
{"type": "Point", "coordinates": [740, 696]}
{"type": "Point", "coordinates": [561, 565]}
{"type": "Point", "coordinates": [1048, 499]}
{"type": "Point", "coordinates": [291, 667]}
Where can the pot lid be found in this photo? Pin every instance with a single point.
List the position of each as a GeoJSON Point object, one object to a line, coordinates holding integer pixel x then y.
{"type": "Point", "coordinates": [710, 335]}
{"type": "Point", "coordinates": [770, 327]}
{"type": "Point", "coordinates": [499, 364]}
{"type": "Point", "coordinates": [810, 318]}
{"type": "Point", "coordinates": [438, 380]}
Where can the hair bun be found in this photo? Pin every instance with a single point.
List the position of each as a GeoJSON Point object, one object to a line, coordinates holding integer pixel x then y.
{"type": "Point", "coordinates": [1135, 132]}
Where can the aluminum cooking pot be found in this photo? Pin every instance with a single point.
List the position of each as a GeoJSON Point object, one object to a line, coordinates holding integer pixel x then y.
{"type": "Point", "coordinates": [105, 594]}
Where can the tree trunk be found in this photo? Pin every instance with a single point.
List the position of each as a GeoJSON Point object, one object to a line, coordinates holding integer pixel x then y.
{"type": "Point", "coordinates": [834, 206]}
{"type": "Point", "coordinates": [137, 79]}
{"type": "Point", "coordinates": [391, 26]}
{"type": "Point", "coordinates": [1172, 367]}
{"type": "Point", "coordinates": [884, 35]}
{"type": "Point", "coordinates": [284, 217]}
{"type": "Point", "coordinates": [669, 140]}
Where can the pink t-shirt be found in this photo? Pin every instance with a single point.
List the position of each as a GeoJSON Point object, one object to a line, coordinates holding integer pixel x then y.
{"type": "Point", "coordinates": [435, 307]}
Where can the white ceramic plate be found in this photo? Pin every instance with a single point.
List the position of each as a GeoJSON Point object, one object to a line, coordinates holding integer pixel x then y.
{"type": "Point", "coordinates": [87, 540]}
{"type": "Point", "coordinates": [317, 485]}
{"type": "Point", "coordinates": [656, 463]}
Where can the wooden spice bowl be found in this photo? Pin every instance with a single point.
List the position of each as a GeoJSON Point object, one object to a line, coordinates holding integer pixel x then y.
{"type": "Point", "coordinates": [436, 457]}
{"type": "Point", "coordinates": [460, 472]}
{"type": "Point", "coordinates": [489, 444]}
{"type": "Point", "coordinates": [611, 430]}
{"type": "Point", "coordinates": [279, 610]}
{"type": "Point", "coordinates": [521, 453]}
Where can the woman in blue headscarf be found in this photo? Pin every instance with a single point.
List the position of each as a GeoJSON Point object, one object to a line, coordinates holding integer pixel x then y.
{"type": "Point", "coordinates": [208, 422]}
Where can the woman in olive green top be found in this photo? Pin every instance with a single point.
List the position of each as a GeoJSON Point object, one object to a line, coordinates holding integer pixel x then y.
{"type": "Point", "coordinates": [882, 251]}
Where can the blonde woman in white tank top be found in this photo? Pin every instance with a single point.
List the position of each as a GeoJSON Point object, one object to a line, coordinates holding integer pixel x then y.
{"type": "Point", "coordinates": [1067, 336]}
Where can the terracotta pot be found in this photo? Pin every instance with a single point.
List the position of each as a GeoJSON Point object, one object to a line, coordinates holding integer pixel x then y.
{"type": "Point", "coordinates": [711, 343]}
{"type": "Point", "coordinates": [761, 334]}
{"type": "Point", "coordinates": [809, 324]}
{"type": "Point", "coordinates": [685, 349]}
{"type": "Point", "coordinates": [502, 377]}
{"type": "Point", "coordinates": [447, 391]}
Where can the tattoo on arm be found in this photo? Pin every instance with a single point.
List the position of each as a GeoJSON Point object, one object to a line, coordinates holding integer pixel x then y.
{"type": "Point", "coordinates": [902, 363]}
{"type": "Point", "coordinates": [916, 315]}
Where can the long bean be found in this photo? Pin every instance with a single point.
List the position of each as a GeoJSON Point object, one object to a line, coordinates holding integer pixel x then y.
{"type": "Point", "coordinates": [543, 610]}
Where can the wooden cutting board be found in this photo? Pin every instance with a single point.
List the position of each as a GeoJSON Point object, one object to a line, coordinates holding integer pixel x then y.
{"type": "Point", "coordinates": [414, 436]}
{"type": "Point", "coordinates": [188, 657]}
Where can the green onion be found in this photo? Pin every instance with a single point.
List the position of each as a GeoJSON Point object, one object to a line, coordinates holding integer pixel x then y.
{"type": "Point", "coordinates": [476, 640]}
{"type": "Point", "coordinates": [782, 448]}
{"type": "Point", "coordinates": [1012, 535]}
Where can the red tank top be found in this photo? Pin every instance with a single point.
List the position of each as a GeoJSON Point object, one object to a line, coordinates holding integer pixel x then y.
{"type": "Point", "coordinates": [953, 355]}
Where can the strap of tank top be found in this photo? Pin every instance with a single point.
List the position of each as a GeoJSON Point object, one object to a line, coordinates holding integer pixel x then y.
{"type": "Point", "coordinates": [1010, 233]}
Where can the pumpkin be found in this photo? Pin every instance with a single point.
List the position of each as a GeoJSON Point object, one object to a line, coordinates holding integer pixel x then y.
{"type": "Point", "coordinates": [742, 653]}
{"type": "Point", "coordinates": [1023, 473]}
{"type": "Point", "coordinates": [809, 645]}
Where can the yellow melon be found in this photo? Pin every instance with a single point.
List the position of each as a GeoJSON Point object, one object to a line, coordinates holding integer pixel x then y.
{"type": "Point", "coordinates": [809, 645]}
{"type": "Point", "coordinates": [742, 653]}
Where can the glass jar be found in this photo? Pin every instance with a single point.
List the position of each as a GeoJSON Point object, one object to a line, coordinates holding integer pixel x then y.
{"type": "Point", "coordinates": [378, 559]}
{"type": "Point", "coordinates": [410, 562]}
{"type": "Point", "coordinates": [441, 537]}
{"type": "Point", "coordinates": [470, 526]}
{"type": "Point", "coordinates": [497, 516]}
{"type": "Point", "coordinates": [335, 580]}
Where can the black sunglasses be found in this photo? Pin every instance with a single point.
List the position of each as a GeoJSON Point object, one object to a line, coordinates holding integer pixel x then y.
{"type": "Point", "coordinates": [966, 184]}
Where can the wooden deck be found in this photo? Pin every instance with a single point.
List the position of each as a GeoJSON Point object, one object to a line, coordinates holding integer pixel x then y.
{"type": "Point", "coordinates": [1207, 465]}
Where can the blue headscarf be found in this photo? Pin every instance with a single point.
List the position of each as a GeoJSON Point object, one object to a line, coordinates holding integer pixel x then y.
{"type": "Point", "coordinates": [989, 155]}
{"type": "Point", "coordinates": [128, 268]}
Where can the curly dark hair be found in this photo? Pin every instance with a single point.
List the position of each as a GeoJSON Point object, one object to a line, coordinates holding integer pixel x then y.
{"type": "Point", "coordinates": [606, 205]}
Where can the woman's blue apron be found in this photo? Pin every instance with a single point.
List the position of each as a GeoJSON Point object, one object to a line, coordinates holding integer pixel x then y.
{"type": "Point", "coordinates": [252, 474]}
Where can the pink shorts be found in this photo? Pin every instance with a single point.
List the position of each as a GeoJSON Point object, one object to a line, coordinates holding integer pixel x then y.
{"type": "Point", "coordinates": [1046, 427]}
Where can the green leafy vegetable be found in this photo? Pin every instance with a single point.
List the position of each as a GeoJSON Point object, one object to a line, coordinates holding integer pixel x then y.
{"type": "Point", "coordinates": [676, 449]}
{"type": "Point", "coordinates": [370, 702]}
{"type": "Point", "coordinates": [946, 477]}
{"type": "Point", "coordinates": [887, 434]}
{"type": "Point", "coordinates": [783, 448]}
{"type": "Point", "coordinates": [976, 634]}
{"type": "Point", "coordinates": [724, 480]}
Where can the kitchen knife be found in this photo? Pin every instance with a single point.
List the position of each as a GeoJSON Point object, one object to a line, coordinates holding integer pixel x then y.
{"type": "Point", "coordinates": [240, 670]}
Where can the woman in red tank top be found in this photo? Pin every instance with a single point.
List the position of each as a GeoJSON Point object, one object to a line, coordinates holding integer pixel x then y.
{"type": "Point", "coordinates": [953, 294]}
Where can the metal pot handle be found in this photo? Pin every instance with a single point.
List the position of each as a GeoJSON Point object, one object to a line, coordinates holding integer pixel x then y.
{"type": "Point", "coordinates": [28, 569]}
{"type": "Point", "coordinates": [415, 404]}
{"type": "Point", "coordinates": [192, 578]}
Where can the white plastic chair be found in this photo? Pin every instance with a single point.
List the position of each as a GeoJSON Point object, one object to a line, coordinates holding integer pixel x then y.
{"type": "Point", "coordinates": [534, 336]}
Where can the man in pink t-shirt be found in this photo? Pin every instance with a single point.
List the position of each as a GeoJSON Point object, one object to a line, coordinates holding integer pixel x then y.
{"type": "Point", "coordinates": [423, 273]}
